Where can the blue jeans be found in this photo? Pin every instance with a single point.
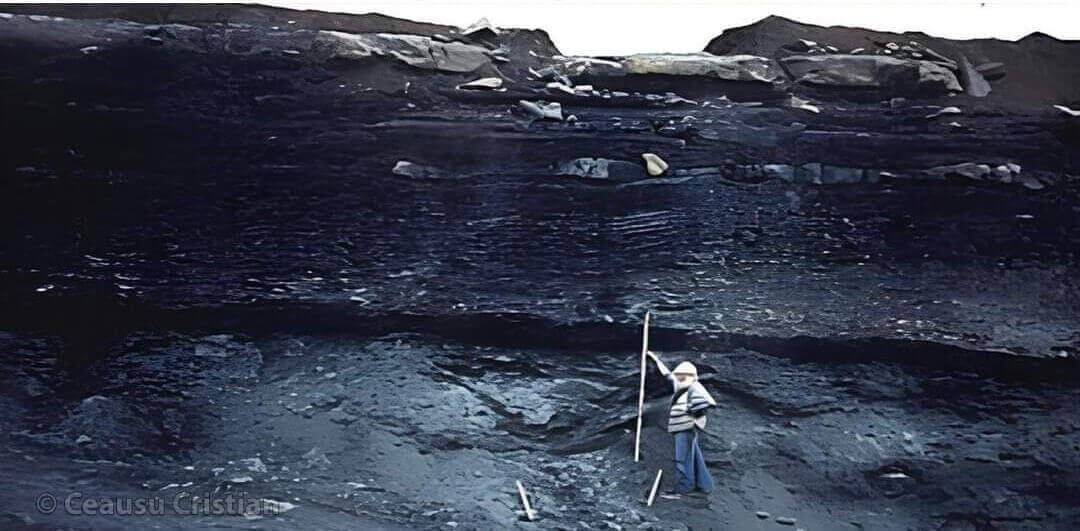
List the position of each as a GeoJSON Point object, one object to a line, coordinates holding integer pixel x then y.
{"type": "Point", "coordinates": [690, 463]}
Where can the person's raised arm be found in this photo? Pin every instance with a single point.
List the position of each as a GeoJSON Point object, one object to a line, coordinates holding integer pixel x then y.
{"type": "Point", "coordinates": [659, 364]}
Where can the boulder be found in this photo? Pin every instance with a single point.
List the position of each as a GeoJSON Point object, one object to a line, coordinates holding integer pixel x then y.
{"type": "Point", "coordinates": [541, 110]}
{"type": "Point", "coordinates": [871, 71]}
{"type": "Point", "coordinates": [938, 79]}
{"type": "Point", "coordinates": [416, 171]}
{"type": "Point", "coordinates": [654, 164]}
{"type": "Point", "coordinates": [726, 67]}
{"type": "Point", "coordinates": [974, 82]}
{"type": "Point", "coordinates": [600, 168]}
{"type": "Point", "coordinates": [414, 50]}
{"type": "Point", "coordinates": [967, 170]}
{"type": "Point", "coordinates": [484, 83]}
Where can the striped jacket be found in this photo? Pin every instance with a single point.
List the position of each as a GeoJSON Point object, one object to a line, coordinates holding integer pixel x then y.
{"type": "Point", "coordinates": [688, 408]}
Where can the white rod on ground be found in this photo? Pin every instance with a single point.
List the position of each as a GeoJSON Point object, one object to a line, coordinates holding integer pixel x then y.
{"type": "Point", "coordinates": [655, 485]}
{"type": "Point", "coordinates": [525, 502]}
{"type": "Point", "coordinates": [641, 393]}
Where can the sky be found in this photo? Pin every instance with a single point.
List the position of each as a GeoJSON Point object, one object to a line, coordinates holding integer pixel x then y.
{"type": "Point", "coordinates": [620, 27]}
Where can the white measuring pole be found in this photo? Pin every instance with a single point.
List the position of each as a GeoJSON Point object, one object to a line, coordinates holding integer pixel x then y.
{"type": "Point", "coordinates": [525, 501]}
{"type": "Point", "coordinates": [655, 485]}
{"type": "Point", "coordinates": [641, 393]}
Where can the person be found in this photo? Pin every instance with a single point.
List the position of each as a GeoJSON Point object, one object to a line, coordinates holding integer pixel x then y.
{"type": "Point", "coordinates": [687, 417]}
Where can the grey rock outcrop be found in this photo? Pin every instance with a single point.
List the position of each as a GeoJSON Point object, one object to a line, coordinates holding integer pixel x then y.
{"type": "Point", "coordinates": [871, 71]}
{"type": "Point", "coordinates": [726, 67]}
{"type": "Point", "coordinates": [414, 50]}
{"type": "Point", "coordinates": [974, 82]}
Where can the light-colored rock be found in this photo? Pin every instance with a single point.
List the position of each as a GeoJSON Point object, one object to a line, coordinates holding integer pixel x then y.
{"type": "Point", "coordinates": [562, 87]}
{"type": "Point", "coordinates": [484, 83]}
{"type": "Point", "coordinates": [599, 168]}
{"type": "Point", "coordinates": [414, 50]}
{"type": "Point", "coordinates": [1013, 167]}
{"type": "Point", "coordinates": [936, 77]}
{"type": "Point", "coordinates": [974, 82]}
{"type": "Point", "coordinates": [1001, 173]}
{"type": "Point", "coordinates": [969, 170]}
{"type": "Point", "coordinates": [276, 507]}
{"type": "Point", "coordinates": [416, 171]}
{"type": "Point", "coordinates": [871, 71]}
{"type": "Point", "coordinates": [654, 164]}
{"type": "Point", "coordinates": [480, 27]}
{"type": "Point", "coordinates": [799, 103]}
{"type": "Point", "coordinates": [944, 111]}
{"type": "Point", "coordinates": [726, 67]}
{"type": "Point", "coordinates": [544, 111]}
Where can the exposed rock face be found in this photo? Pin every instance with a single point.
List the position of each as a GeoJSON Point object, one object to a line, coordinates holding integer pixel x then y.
{"type": "Point", "coordinates": [862, 330]}
{"type": "Point", "coordinates": [1054, 63]}
{"type": "Point", "coordinates": [414, 50]}
{"type": "Point", "coordinates": [731, 68]}
{"type": "Point", "coordinates": [896, 76]}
